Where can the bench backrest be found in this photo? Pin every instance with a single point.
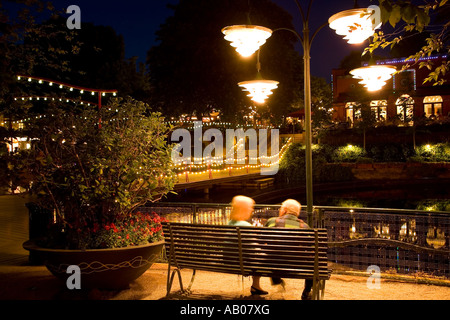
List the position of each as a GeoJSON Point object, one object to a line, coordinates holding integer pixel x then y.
{"type": "Point", "coordinates": [283, 252]}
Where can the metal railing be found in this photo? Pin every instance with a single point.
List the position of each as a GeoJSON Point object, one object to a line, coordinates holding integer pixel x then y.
{"type": "Point", "coordinates": [402, 242]}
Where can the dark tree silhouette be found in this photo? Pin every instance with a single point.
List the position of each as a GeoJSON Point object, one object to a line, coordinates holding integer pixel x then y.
{"type": "Point", "coordinates": [193, 69]}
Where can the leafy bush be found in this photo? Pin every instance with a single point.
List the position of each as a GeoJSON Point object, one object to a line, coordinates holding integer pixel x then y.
{"type": "Point", "coordinates": [349, 153]}
{"type": "Point", "coordinates": [98, 176]}
{"type": "Point", "coordinates": [327, 160]}
{"type": "Point", "coordinates": [293, 167]}
{"type": "Point", "coordinates": [434, 153]}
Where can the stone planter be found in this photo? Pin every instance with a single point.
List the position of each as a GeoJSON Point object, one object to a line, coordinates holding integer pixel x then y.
{"type": "Point", "coordinates": [112, 269]}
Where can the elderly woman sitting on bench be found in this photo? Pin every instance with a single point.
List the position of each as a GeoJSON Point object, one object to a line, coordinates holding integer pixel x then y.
{"type": "Point", "coordinates": [241, 212]}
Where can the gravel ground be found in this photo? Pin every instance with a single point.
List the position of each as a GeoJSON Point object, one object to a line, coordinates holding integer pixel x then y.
{"type": "Point", "coordinates": [36, 283]}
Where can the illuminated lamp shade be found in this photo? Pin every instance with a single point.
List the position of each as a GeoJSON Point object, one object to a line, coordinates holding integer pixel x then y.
{"type": "Point", "coordinates": [247, 39]}
{"type": "Point", "coordinates": [259, 90]}
{"type": "Point", "coordinates": [356, 25]}
{"type": "Point", "coordinates": [373, 77]}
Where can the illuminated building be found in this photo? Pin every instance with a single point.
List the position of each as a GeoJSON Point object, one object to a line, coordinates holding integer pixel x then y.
{"type": "Point", "coordinates": [404, 98]}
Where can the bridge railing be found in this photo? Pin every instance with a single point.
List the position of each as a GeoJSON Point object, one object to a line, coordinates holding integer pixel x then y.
{"type": "Point", "coordinates": [410, 242]}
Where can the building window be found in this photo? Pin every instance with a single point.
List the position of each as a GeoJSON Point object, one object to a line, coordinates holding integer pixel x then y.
{"type": "Point", "coordinates": [379, 109]}
{"type": "Point", "coordinates": [352, 112]}
{"type": "Point", "coordinates": [433, 106]}
{"type": "Point", "coordinates": [405, 109]}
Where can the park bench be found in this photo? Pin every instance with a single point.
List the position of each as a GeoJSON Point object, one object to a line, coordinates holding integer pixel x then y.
{"type": "Point", "coordinates": [247, 251]}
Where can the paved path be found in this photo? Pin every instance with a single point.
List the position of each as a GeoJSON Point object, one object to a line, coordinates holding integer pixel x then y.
{"type": "Point", "coordinates": [13, 229]}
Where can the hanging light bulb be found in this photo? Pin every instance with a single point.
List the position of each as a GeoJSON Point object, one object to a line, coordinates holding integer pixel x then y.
{"type": "Point", "coordinates": [356, 25]}
{"type": "Point", "coordinates": [247, 39]}
{"type": "Point", "coordinates": [373, 77]}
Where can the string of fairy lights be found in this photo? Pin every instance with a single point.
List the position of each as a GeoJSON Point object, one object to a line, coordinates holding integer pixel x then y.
{"type": "Point", "coordinates": [62, 85]}
{"type": "Point", "coordinates": [198, 165]}
{"type": "Point", "coordinates": [85, 92]}
{"type": "Point", "coordinates": [191, 124]}
{"type": "Point", "coordinates": [49, 98]}
{"type": "Point", "coordinates": [211, 165]}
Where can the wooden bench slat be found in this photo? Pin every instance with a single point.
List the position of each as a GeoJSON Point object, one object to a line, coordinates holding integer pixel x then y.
{"type": "Point", "coordinates": [255, 237]}
{"type": "Point", "coordinates": [245, 242]}
{"type": "Point", "coordinates": [255, 248]}
{"type": "Point", "coordinates": [245, 229]}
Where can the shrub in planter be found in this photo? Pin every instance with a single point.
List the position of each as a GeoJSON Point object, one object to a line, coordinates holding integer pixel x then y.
{"type": "Point", "coordinates": [94, 177]}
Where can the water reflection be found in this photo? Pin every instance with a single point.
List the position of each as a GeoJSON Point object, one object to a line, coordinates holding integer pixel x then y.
{"type": "Point", "coordinates": [408, 231]}
{"type": "Point", "coordinates": [431, 205]}
{"type": "Point", "coordinates": [436, 237]}
{"type": "Point", "coordinates": [381, 230]}
{"type": "Point", "coordinates": [358, 201]}
{"type": "Point", "coordinates": [421, 234]}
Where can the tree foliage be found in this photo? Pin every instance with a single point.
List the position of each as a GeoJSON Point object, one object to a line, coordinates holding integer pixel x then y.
{"type": "Point", "coordinates": [19, 24]}
{"type": "Point", "coordinates": [35, 41]}
{"type": "Point", "coordinates": [430, 18]}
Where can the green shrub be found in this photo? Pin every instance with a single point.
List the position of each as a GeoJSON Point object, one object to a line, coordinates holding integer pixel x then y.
{"type": "Point", "coordinates": [393, 152]}
{"type": "Point", "coordinates": [292, 168]}
{"type": "Point", "coordinates": [434, 152]}
{"type": "Point", "coordinates": [349, 153]}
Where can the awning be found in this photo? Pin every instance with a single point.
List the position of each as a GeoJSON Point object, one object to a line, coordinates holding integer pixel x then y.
{"type": "Point", "coordinates": [298, 114]}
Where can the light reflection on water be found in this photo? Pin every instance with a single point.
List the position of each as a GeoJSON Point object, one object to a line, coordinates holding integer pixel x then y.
{"type": "Point", "coordinates": [430, 197]}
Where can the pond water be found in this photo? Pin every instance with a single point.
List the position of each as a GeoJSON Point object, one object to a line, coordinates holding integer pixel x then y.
{"type": "Point", "coordinates": [408, 197]}
{"type": "Point", "coordinates": [433, 196]}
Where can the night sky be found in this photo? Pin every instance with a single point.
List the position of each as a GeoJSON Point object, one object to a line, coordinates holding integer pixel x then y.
{"type": "Point", "coordinates": [138, 20]}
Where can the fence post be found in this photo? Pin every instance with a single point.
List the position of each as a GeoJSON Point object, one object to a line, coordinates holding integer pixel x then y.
{"type": "Point", "coordinates": [317, 218]}
{"type": "Point", "coordinates": [194, 213]}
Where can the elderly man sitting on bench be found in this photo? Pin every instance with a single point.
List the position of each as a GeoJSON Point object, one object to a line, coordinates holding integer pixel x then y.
{"type": "Point", "coordinates": [288, 218]}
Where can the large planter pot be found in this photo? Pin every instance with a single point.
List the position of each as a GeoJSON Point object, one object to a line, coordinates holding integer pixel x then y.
{"type": "Point", "coordinates": [112, 269]}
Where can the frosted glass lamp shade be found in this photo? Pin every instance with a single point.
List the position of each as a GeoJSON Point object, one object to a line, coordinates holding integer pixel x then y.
{"type": "Point", "coordinates": [356, 25]}
{"type": "Point", "coordinates": [247, 39]}
{"type": "Point", "coordinates": [373, 77]}
{"type": "Point", "coordinates": [259, 90]}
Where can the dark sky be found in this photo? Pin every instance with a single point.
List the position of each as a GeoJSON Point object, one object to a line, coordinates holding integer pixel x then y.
{"type": "Point", "coordinates": [137, 21]}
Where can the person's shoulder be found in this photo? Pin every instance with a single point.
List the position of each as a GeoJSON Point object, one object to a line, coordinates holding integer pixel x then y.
{"type": "Point", "coordinates": [239, 223]}
{"type": "Point", "coordinates": [270, 222]}
{"type": "Point", "coordinates": [303, 224]}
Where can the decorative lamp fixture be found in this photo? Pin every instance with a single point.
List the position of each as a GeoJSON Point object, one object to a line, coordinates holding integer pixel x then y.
{"type": "Point", "coordinates": [373, 77]}
{"type": "Point", "coordinates": [247, 39]}
{"type": "Point", "coordinates": [259, 90]}
{"type": "Point", "coordinates": [356, 25]}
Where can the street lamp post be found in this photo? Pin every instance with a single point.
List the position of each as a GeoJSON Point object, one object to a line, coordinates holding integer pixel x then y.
{"type": "Point", "coordinates": [306, 42]}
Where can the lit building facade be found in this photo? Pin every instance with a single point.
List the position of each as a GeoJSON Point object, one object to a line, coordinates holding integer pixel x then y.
{"type": "Point", "coordinates": [404, 99]}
